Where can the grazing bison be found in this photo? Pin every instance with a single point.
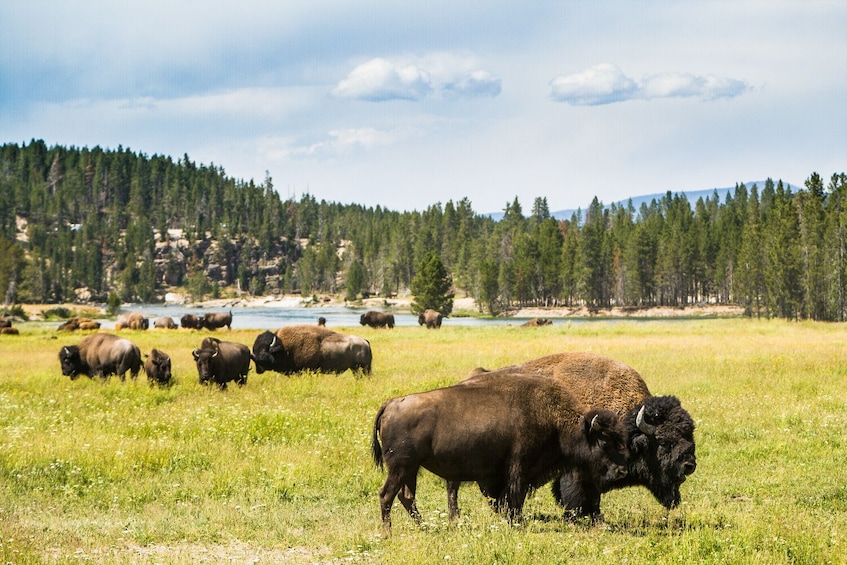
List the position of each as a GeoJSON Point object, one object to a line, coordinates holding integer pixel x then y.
{"type": "Point", "coordinates": [89, 325]}
{"type": "Point", "coordinates": [322, 322]}
{"type": "Point", "coordinates": [215, 320]}
{"type": "Point", "coordinates": [536, 322]}
{"type": "Point", "coordinates": [164, 323]}
{"type": "Point", "coordinates": [660, 433]}
{"type": "Point", "coordinates": [191, 321]}
{"type": "Point", "coordinates": [432, 319]}
{"type": "Point", "coordinates": [376, 319]}
{"type": "Point", "coordinates": [296, 348]}
{"type": "Point", "coordinates": [158, 368]}
{"type": "Point", "coordinates": [101, 354]}
{"type": "Point", "coordinates": [222, 361]}
{"type": "Point", "coordinates": [137, 321]}
{"type": "Point", "coordinates": [509, 433]}
{"type": "Point", "coordinates": [8, 330]}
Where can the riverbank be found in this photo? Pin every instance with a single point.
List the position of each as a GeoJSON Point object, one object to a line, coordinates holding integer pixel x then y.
{"type": "Point", "coordinates": [464, 306]}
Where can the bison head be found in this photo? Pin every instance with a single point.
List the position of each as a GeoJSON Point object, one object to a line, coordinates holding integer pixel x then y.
{"type": "Point", "coordinates": [661, 444]}
{"type": "Point", "coordinates": [268, 352]}
{"type": "Point", "coordinates": [158, 368]}
{"type": "Point", "coordinates": [607, 444]}
{"type": "Point", "coordinates": [71, 361]}
{"type": "Point", "coordinates": [205, 359]}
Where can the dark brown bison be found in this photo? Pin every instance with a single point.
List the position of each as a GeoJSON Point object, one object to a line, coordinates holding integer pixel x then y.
{"type": "Point", "coordinates": [191, 321]}
{"type": "Point", "coordinates": [660, 433]}
{"type": "Point", "coordinates": [322, 322]}
{"type": "Point", "coordinates": [509, 433]}
{"type": "Point", "coordinates": [164, 323]}
{"type": "Point", "coordinates": [376, 319]}
{"type": "Point", "coordinates": [432, 319]}
{"type": "Point", "coordinates": [215, 320]}
{"type": "Point", "coordinates": [102, 355]}
{"type": "Point", "coordinates": [296, 348]}
{"type": "Point", "coordinates": [222, 361]}
{"type": "Point", "coordinates": [536, 322]}
{"type": "Point", "coordinates": [158, 368]}
{"type": "Point", "coordinates": [8, 330]}
{"type": "Point", "coordinates": [5, 322]}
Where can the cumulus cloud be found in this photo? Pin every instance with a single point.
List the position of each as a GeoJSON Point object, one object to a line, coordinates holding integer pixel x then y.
{"type": "Point", "coordinates": [606, 84]}
{"type": "Point", "coordinates": [379, 80]}
{"type": "Point", "coordinates": [472, 85]}
{"type": "Point", "coordinates": [449, 75]}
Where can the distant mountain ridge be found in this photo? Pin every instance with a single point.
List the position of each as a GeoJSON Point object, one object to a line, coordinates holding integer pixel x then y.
{"type": "Point", "coordinates": [692, 197]}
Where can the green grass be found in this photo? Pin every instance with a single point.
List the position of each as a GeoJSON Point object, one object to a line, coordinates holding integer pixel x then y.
{"type": "Point", "coordinates": [280, 470]}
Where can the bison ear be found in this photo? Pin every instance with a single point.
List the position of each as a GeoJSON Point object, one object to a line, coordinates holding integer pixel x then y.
{"type": "Point", "coordinates": [195, 354]}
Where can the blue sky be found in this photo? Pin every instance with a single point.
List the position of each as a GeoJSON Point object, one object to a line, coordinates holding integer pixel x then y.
{"type": "Point", "coordinates": [406, 104]}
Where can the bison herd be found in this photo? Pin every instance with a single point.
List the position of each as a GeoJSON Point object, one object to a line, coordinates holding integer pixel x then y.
{"type": "Point", "coordinates": [584, 422]}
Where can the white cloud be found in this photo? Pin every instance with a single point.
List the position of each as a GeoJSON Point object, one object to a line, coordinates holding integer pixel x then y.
{"type": "Point", "coordinates": [474, 84]}
{"type": "Point", "coordinates": [453, 76]}
{"type": "Point", "coordinates": [600, 84]}
{"type": "Point", "coordinates": [379, 80]}
{"type": "Point", "coordinates": [606, 84]}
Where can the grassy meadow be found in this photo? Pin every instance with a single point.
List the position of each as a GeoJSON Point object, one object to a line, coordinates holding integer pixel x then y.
{"type": "Point", "coordinates": [280, 470]}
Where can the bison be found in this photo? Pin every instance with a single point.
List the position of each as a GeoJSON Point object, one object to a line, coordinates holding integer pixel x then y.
{"type": "Point", "coordinates": [164, 323]}
{"type": "Point", "coordinates": [8, 330]}
{"type": "Point", "coordinates": [660, 433]}
{"type": "Point", "coordinates": [158, 368]}
{"type": "Point", "coordinates": [322, 321]}
{"type": "Point", "coordinates": [432, 319]}
{"type": "Point", "coordinates": [222, 361]}
{"type": "Point", "coordinates": [296, 348]}
{"type": "Point", "coordinates": [102, 355]}
{"type": "Point", "coordinates": [89, 325]}
{"type": "Point", "coordinates": [191, 321]}
{"type": "Point", "coordinates": [74, 324]}
{"type": "Point", "coordinates": [215, 320]}
{"type": "Point", "coordinates": [376, 319]}
{"type": "Point", "coordinates": [5, 322]}
{"type": "Point", "coordinates": [510, 433]}
{"type": "Point", "coordinates": [137, 321]}
{"type": "Point", "coordinates": [536, 322]}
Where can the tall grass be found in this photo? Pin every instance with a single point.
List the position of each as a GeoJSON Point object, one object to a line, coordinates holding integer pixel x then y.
{"type": "Point", "coordinates": [280, 471]}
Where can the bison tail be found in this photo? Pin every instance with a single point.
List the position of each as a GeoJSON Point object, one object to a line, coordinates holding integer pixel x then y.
{"type": "Point", "coordinates": [376, 448]}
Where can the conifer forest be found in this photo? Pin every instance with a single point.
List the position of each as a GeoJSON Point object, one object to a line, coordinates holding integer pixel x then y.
{"type": "Point", "coordinates": [83, 225]}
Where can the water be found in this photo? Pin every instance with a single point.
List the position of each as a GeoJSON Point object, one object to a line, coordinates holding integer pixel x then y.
{"type": "Point", "coordinates": [259, 318]}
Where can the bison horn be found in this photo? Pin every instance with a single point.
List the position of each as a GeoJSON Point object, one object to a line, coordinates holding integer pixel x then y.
{"type": "Point", "coordinates": [595, 425]}
{"type": "Point", "coordinates": [643, 425]}
{"type": "Point", "coordinates": [215, 354]}
{"type": "Point", "coordinates": [273, 341]}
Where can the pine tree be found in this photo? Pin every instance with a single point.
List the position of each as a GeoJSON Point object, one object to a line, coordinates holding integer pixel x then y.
{"type": "Point", "coordinates": [432, 286]}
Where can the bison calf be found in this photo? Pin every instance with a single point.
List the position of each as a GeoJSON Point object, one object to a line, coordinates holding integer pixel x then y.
{"type": "Point", "coordinates": [158, 368]}
{"type": "Point", "coordinates": [222, 361]}
{"type": "Point", "coordinates": [510, 434]}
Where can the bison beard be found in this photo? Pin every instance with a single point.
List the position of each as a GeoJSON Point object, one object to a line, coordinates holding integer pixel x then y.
{"type": "Point", "coordinates": [510, 434]}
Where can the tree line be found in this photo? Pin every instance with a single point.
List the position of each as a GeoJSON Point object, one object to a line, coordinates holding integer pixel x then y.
{"type": "Point", "coordinates": [84, 224]}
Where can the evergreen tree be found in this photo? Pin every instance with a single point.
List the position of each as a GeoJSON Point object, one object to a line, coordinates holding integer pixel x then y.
{"type": "Point", "coordinates": [432, 286]}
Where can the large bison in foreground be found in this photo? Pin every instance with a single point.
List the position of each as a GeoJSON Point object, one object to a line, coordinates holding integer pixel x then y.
{"type": "Point", "coordinates": [101, 355]}
{"type": "Point", "coordinates": [660, 433]}
{"type": "Point", "coordinates": [220, 362]}
{"type": "Point", "coordinates": [509, 433]}
{"type": "Point", "coordinates": [296, 348]}
{"type": "Point", "coordinates": [376, 319]}
{"type": "Point", "coordinates": [432, 319]}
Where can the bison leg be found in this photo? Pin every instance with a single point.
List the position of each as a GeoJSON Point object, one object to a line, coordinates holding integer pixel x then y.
{"type": "Point", "coordinates": [402, 484]}
{"type": "Point", "coordinates": [580, 499]}
{"type": "Point", "coordinates": [453, 499]}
